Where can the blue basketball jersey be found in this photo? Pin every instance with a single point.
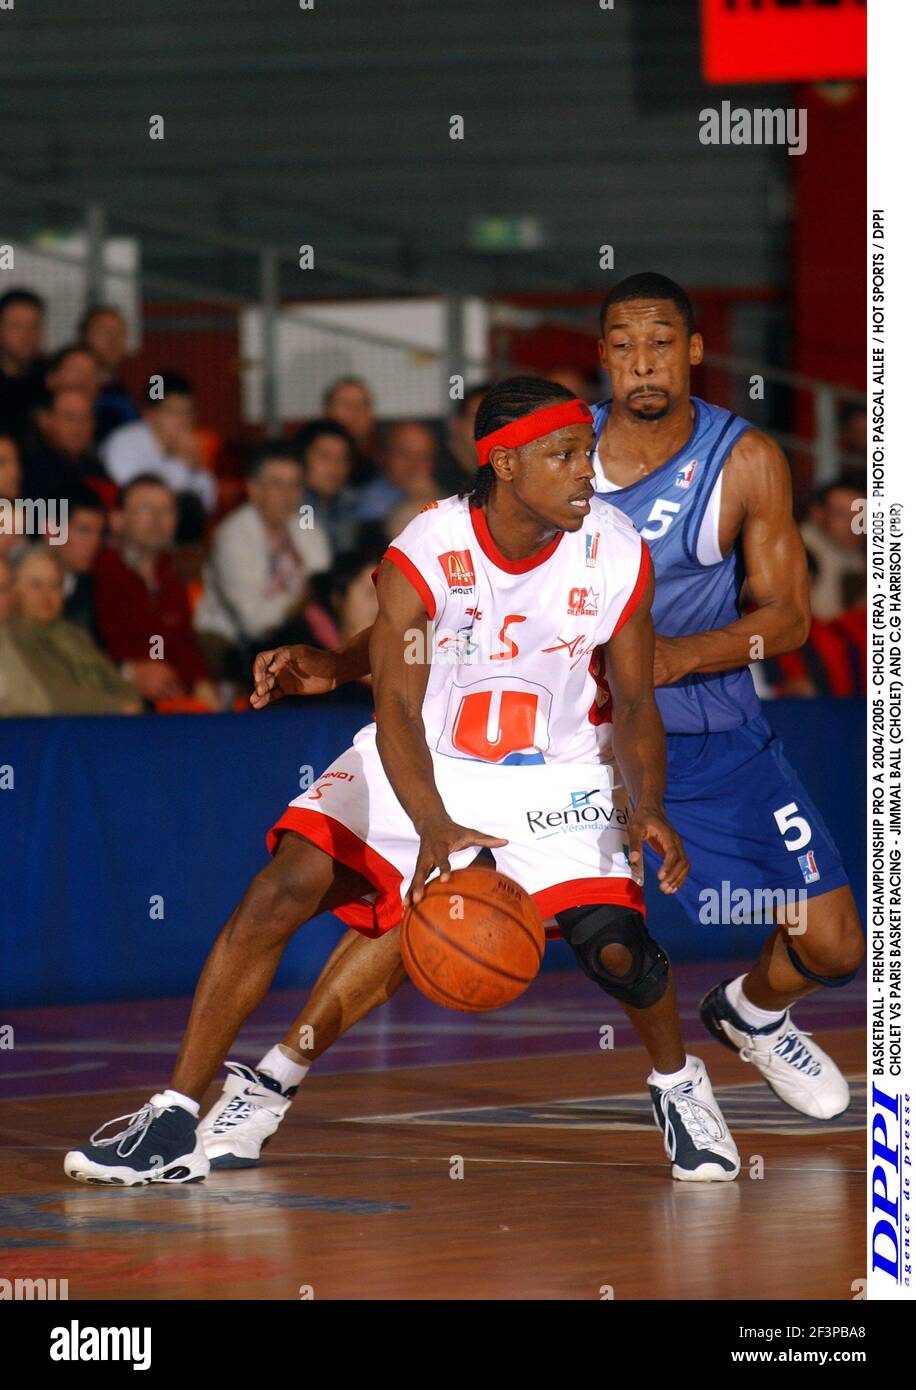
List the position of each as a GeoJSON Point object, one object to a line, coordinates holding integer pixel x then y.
{"type": "Point", "coordinates": [675, 509]}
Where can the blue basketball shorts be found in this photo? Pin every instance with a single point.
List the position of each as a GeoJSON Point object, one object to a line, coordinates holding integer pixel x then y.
{"type": "Point", "coordinates": [747, 824]}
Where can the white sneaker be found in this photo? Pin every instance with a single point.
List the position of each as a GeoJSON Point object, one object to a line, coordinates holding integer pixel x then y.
{"type": "Point", "coordinates": [242, 1121]}
{"type": "Point", "coordinates": [697, 1139]}
{"type": "Point", "coordinates": [791, 1063]}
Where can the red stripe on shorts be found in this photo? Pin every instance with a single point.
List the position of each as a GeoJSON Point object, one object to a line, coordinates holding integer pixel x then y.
{"type": "Point", "coordinates": [342, 844]}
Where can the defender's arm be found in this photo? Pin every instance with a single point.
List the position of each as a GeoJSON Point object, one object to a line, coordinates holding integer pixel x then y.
{"type": "Point", "coordinates": [760, 486]}
{"type": "Point", "coordinates": [639, 742]}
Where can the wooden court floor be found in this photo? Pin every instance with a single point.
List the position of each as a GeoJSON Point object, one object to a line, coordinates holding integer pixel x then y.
{"type": "Point", "coordinates": [436, 1157]}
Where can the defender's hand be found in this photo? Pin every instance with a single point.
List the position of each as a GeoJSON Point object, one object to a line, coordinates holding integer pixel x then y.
{"type": "Point", "coordinates": [439, 839]}
{"type": "Point", "coordinates": [669, 661]}
{"type": "Point", "coordinates": [652, 826]}
{"type": "Point", "coordinates": [298, 670]}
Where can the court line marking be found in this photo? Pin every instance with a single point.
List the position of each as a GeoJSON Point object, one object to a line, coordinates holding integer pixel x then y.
{"type": "Point", "coordinates": [565, 1101]}
{"type": "Point", "coordinates": [544, 1162]}
{"type": "Point", "coordinates": [421, 1066]}
{"type": "Point", "coordinates": [471, 1158]}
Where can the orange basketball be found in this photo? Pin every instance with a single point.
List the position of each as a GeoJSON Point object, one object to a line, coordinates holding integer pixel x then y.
{"type": "Point", "coordinates": [473, 943]}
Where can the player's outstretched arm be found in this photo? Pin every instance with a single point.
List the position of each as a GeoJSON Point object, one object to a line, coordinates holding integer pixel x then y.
{"type": "Point", "coordinates": [758, 486]}
{"type": "Point", "coordinates": [639, 742]}
{"type": "Point", "coordinates": [301, 670]}
{"type": "Point", "coordinates": [400, 669]}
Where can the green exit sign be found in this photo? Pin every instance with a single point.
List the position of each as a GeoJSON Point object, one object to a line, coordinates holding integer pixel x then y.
{"type": "Point", "coordinates": [506, 234]}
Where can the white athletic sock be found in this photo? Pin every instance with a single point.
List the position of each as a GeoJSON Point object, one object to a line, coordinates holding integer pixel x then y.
{"type": "Point", "coordinates": [186, 1103]}
{"type": "Point", "coordinates": [282, 1068]}
{"type": "Point", "coordinates": [664, 1080]}
{"type": "Point", "coordinates": [757, 1018]}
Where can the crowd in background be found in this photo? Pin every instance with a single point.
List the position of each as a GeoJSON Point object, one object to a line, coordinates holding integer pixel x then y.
{"type": "Point", "coordinates": [169, 575]}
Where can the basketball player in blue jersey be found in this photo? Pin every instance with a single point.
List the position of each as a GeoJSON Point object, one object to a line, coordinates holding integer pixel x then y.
{"type": "Point", "coordinates": [712, 497]}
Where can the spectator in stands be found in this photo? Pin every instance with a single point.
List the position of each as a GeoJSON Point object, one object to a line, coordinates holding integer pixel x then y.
{"type": "Point", "coordinates": [73, 368]}
{"type": "Point", "coordinates": [10, 489]}
{"type": "Point", "coordinates": [10, 468]}
{"type": "Point", "coordinates": [407, 471]}
{"type": "Point", "coordinates": [854, 435]}
{"type": "Point", "coordinates": [348, 400]}
{"type": "Point", "coordinates": [459, 468]}
{"type": "Point", "coordinates": [163, 444]}
{"type": "Point", "coordinates": [78, 554]}
{"type": "Point", "coordinates": [260, 565]}
{"type": "Point", "coordinates": [328, 456]}
{"type": "Point", "coordinates": [21, 368]}
{"type": "Point", "coordinates": [141, 603]}
{"type": "Point", "coordinates": [834, 533]}
{"type": "Point", "coordinates": [344, 601]}
{"type": "Point", "coordinates": [20, 691]}
{"type": "Point", "coordinates": [65, 673]}
{"type": "Point", "coordinates": [834, 660]}
{"type": "Point", "coordinates": [104, 332]}
{"type": "Point", "coordinates": [60, 454]}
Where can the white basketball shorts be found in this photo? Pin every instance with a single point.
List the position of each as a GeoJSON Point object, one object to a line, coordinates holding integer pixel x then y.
{"type": "Point", "coordinates": [565, 823]}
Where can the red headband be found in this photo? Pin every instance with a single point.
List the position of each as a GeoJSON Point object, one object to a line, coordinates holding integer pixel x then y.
{"type": "Point", "coordinates": [533, 426]}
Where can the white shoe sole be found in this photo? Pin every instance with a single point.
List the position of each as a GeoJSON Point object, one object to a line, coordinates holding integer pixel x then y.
{"type": "Point", "coordinates": [193, 1167]}
{"type": "Point", "coordinates": [707, 1172]}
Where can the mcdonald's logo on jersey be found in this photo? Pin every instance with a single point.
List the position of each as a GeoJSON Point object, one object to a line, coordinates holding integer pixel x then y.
{"type": "Point", "coordinates": [458, 568]}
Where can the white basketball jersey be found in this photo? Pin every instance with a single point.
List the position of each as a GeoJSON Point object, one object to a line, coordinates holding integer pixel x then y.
{"type": "Point", "coordinates": [517, 670]}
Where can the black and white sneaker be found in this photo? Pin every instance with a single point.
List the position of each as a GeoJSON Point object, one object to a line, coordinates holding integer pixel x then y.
{"type": "Point", "coordinates": [794, 1066]}
{"type": "Point", "coordinates": [246, 1116]}
{"type": "Point", "coordinates": [158, 1144]}
{"type": "Point", "coordinates": [697, 1139]}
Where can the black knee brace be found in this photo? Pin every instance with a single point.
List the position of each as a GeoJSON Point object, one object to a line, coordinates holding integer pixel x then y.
{"type": "Point", "coordinates": [831, 981]}
{"type": "Point", "coordinates": [589, 929]}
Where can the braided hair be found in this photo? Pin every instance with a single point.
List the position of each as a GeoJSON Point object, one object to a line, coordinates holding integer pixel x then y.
{"type": "Point", "coordinates": [507, 401]}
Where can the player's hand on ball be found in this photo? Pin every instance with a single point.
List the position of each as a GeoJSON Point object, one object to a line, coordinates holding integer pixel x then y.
{"type": "Point", "coordinates": [438, 839]}
{"type": "Point", "coordinates": [653, 827]}
{"type": "Point", "coordinates": [298, 670]}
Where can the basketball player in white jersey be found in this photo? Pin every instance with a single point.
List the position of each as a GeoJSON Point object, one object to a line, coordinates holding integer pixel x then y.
{"type": "Point", "coordinates": [513, 668]}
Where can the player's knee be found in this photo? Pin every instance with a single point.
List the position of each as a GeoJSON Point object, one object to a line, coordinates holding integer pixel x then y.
{"type": "Point", "coordinates": [276, 904]}
{"type": "Point", "coordinates": [832, 957]}
{"type": "Point", "coordinates": [614, 949]}
{"type": "Point", "coordinates": [616, 959]}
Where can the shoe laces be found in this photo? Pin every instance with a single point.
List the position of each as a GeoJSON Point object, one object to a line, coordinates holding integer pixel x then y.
{"type": "Point", "coordinates": [701, 1122]}
{"type": "Point", "coordinates": [137, 1126]}
{"type": "Point", "coordinates": [788, 1045]}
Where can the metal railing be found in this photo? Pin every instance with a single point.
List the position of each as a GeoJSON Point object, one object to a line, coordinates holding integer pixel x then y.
{"type": "Point", "coordinates": [274, 291]}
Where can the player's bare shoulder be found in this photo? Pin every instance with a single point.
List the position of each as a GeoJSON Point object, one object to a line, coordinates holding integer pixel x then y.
{"type": "Point", "coordinates": [756, 481]}
{"type": "Point", "coordinates": [756, 466]}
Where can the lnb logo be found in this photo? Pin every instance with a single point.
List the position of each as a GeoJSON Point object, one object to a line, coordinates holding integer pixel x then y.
{"type": "Point", "coordinates": [76, 1343]}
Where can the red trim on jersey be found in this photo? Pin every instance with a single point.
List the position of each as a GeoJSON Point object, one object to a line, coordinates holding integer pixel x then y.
{"type": "Point", "coordinates": [579, 892]}
{"type": "Point", "coordinates": [533, 426]}
{"type": "Point", "coordinates": [413, 575]}
{"type": "Point", "coordinates": [495, 555]}
{"type": "Point", "coordinates": [639, 588]}
{"type": "Point", "coordinates": [342, 844]}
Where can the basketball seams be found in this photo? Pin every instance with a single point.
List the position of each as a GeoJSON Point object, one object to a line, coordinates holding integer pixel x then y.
{"type": "Point", "coordinates": [463, 951]}
{"type": "Point", "coordinates": [433, 991]}
{"type": "Point", "coordinates": [537, 940]}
